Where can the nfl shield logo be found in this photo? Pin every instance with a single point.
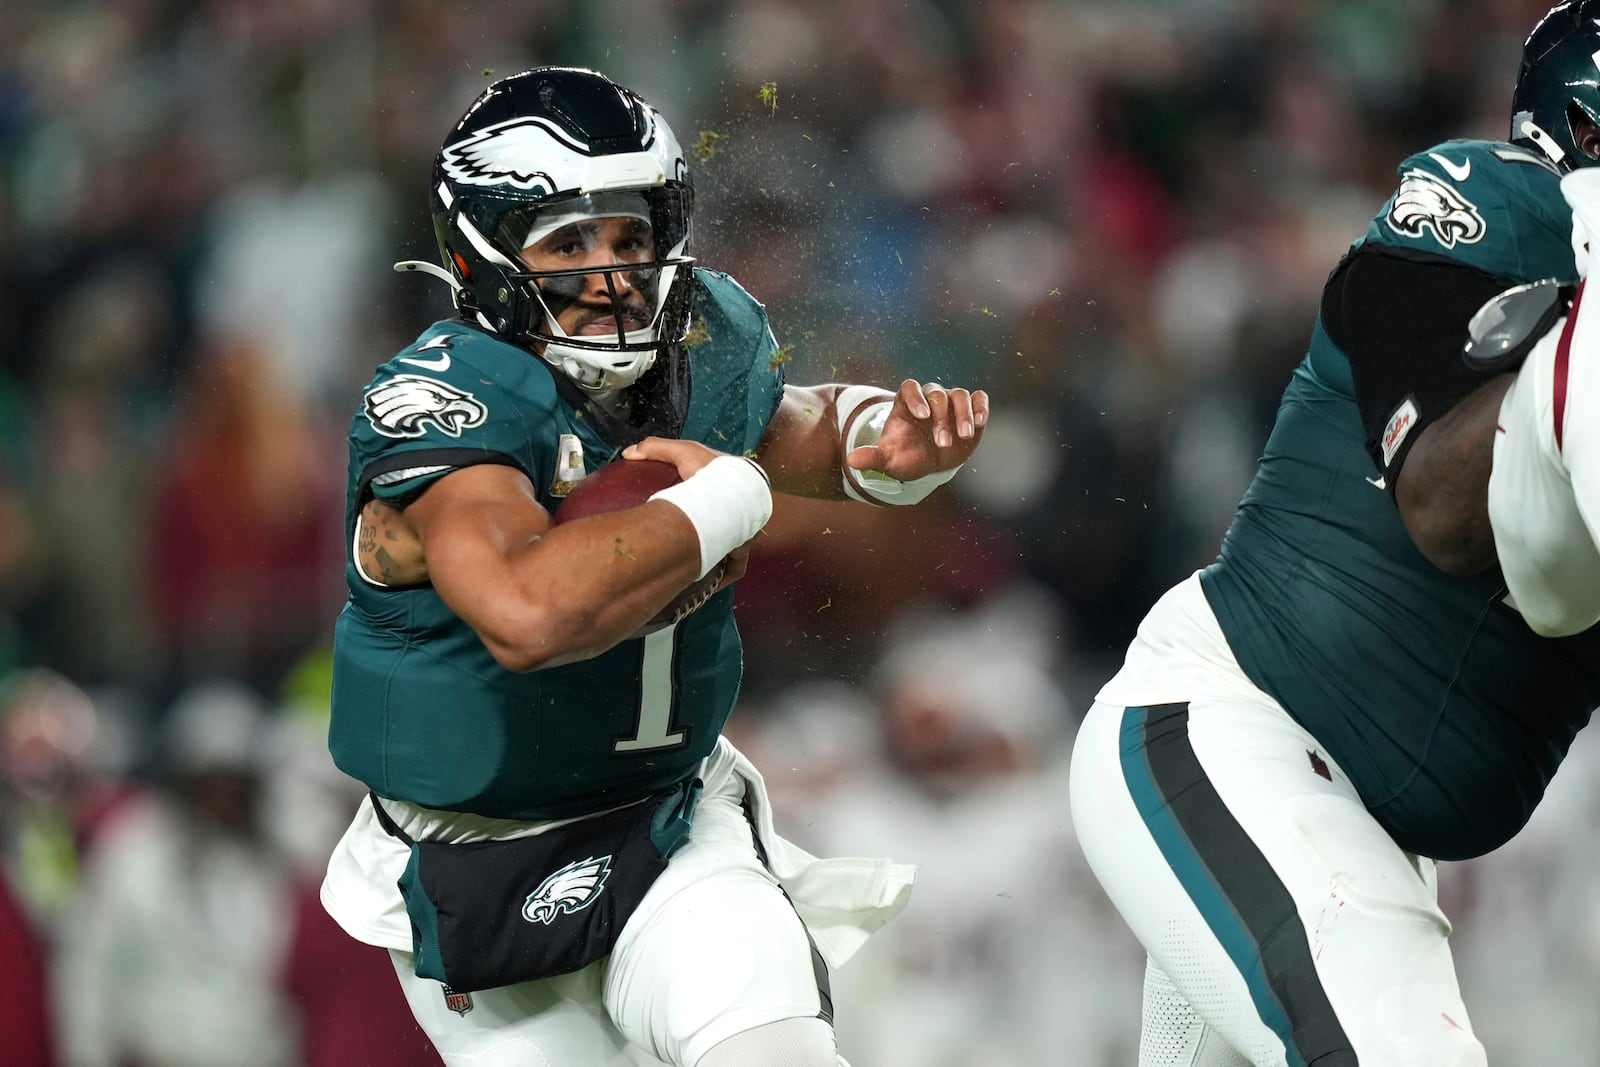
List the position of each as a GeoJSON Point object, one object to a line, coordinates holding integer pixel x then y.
{"type": "Point", "coordinates": [460, 1003]}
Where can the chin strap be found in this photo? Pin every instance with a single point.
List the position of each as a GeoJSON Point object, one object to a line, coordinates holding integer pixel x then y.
{"type": "Point", "coordinates": [408, 266]}
{"type": "Point", "coordinates": [576, 363]}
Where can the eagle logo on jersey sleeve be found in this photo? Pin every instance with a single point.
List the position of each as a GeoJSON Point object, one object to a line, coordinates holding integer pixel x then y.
{"type": "Point", "coordinates": [406, 405]}
{"type": "Point", "coordinates": [1426, 202]}
{"type": "Point", "coordinates": [506, 153]}
{"type": "Point", "coordinates": [572, 888]}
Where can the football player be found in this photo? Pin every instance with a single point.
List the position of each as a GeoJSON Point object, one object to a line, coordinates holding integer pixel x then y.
{"type": "Point", "coordinates": [585, 868]}
{"type": "Point", "coordinates": [1301, 730]}
{"type": "Point", "coordinates": [1544, 486]}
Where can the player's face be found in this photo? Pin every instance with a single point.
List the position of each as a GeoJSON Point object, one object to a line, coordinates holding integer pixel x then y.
{"type": "Point", "coordinates": [594, 302]}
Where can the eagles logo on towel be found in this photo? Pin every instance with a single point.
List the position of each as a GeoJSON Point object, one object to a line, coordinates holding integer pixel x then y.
{"type": "Point", "coordinates": [404, 405]}
{"type": "Point", "coordinates": [572, 888]}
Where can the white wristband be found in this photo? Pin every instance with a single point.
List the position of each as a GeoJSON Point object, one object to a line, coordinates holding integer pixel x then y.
{"type": "Point", "coordinates": [863, 410]}
{"type": "Point", "coordinates": [727, 502]}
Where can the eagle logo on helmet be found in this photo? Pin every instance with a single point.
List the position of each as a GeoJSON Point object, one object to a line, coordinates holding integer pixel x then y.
{"type": "Point", "coordinates": [1427, 202]}
{"type": "Point", "coordinates": [508, 153]}
{"type": "Point", "coordinates": [407, 404]}
{"type": "Point", "coordinates": [572, 888]}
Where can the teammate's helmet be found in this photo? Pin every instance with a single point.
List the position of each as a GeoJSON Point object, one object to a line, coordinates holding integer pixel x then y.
{"type": "Point", "coordinates": [539, 150]}
{"type": "Point", "coordinates": [1559, 82]}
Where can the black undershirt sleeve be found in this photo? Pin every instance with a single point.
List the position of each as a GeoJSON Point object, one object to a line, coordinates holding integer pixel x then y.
{"type": "Point", "coordinates": [1401, 318]}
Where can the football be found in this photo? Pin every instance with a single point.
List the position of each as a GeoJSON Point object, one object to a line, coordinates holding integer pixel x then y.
{"type": "Point", "coordinates": [627, 483]}
{"type": "Point", "coordinates": [622, 483]}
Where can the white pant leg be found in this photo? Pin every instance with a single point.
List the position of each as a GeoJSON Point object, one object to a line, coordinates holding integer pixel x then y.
{"type": "Point", "coordinates": [549, 1023]}
{"type": "Point", "coordinates": [1275, 904]}
{"type": "Point", "coordinates": [715, 948]}
{"type": "Point", "coordinates": [1544, 487]}
{"type": "Point", "coordinates": [1172, 1034]}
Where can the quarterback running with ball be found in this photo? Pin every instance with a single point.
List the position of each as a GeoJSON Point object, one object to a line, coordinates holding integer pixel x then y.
{"type": "Point", "coordinates": [567, 862]}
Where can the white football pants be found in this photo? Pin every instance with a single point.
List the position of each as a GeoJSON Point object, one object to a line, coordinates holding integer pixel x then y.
{"type": "Point", "coordinates": [714, 950]}
{"type": "Point", "coordinates": [1284, 927]}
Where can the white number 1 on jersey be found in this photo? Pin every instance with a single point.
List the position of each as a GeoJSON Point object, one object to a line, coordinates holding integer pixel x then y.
{"type": "Point", "coordinates": [655, 696]}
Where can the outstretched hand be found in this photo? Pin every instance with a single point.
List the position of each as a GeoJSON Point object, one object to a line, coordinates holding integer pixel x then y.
{"type": "Point", "coordinates": [930, 428]}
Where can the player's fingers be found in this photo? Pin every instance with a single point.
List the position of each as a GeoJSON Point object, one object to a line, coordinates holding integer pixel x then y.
{"type": "Point", "coordinates": [865, 458]}
{"type": "Point", "coordinates": [980, 408]}
{"type": "Point", "coordinates": [911, 395]}
{"type": "Point", "coordinates": [961, 413]}
{"type": "Point", "coordinates": [939, 412]}
{"type": "Point", "coordinates": [687, 456]}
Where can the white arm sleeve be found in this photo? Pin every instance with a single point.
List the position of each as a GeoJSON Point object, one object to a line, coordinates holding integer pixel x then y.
{"type": "Point", "coordinates": [1544, 487]}
{"type": "Point", "coordinates": [1581, 190]}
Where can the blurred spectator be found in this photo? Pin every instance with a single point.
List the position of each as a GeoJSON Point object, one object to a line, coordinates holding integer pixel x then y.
{"type": "Point", "coordinates": [246, 529]}
{"type": "Point", "coordinates": [350, 1008]}
{"type": "Point", "coordinates": [63, 762]}
{"type": "Point", "coordinates": [100, 346]}
{"type": "Point", "coordinates": [172, 953]}
{"type": "Point", "coordinates": [828, 581]}
{"type": "Point", "coordinates": [958, 763]}
{"type": "Point", "coordinates": [25, 1032]}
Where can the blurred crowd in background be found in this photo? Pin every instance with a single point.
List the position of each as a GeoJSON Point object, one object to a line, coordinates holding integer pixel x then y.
{"type": "Point", "coordinates": [1115, 217]}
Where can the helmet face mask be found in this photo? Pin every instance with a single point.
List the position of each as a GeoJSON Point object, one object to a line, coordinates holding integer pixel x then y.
{"type": "Point", "coordinates": [1558, 83]}
{"type": "Point", "coordinates": [552, 153]}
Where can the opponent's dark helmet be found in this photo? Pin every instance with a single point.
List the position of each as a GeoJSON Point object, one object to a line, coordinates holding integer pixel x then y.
{"type": "Point", "coordinates": [537, 151]}
{"type": "Point", "coordinates": [1559, 82]}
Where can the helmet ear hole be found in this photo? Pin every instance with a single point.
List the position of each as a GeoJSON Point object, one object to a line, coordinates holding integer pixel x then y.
{"type": "Point", "coordinates": [1585, 131]}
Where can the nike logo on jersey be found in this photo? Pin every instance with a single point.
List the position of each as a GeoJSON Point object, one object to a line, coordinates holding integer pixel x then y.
{"type": "Point", "coordinates": [1459, 171]}
{"type": "Point", "coordinates": [1380, 482]}
{"type": "Point", "coordinates": [439, 344]}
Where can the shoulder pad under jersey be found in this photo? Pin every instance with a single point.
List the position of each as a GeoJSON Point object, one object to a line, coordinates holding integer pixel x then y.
{"type": "Point", "coordinates": [1493, 205]}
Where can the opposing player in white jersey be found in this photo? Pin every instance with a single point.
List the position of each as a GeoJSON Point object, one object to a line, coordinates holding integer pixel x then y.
{"type": "Point", "coordinates": [1544, 488]}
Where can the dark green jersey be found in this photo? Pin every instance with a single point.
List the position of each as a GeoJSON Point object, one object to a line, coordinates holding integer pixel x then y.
{"type": "Point", "coordinates": [1448, 713]}
{"type": "Point", "coordinates": [421, 711]}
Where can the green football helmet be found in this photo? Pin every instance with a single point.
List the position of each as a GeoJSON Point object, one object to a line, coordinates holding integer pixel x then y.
{"type": "Point", "coordinates": [541, 150]}
{"type": "Point", "coordinates": [1558, 82]}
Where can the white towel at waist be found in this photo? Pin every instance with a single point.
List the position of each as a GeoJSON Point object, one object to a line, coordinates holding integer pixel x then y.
{"type": "Point", "coordinates": [841, 900]}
